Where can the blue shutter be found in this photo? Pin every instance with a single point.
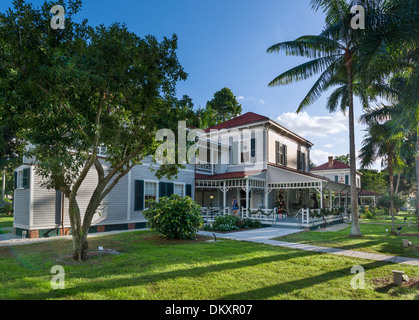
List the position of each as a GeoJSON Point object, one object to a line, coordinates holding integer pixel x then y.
{"type": "Point", "coordinates": [139, 195]}
{"type": "Point", "coordinates": [170, 189]}
{"type": "Point", "coordinates": [346, 179]}
{"type": "Point", "coordinates": [25, 180]}
{"type": "Point", "coordinates": [336, 178]}
{"type": "Point", "coordinates": [15, 180]}
{"type": "Point", "coordinates": [162, 189]}
{"type": "Point", "coordinates": [188, 190]}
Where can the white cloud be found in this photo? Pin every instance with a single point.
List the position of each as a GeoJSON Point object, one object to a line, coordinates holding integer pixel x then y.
{"type": "Point", "coordinates": [319, 157]}
{"type": "Point", "coordinates": [306, 125]}
{"type": "Point", "coordinates": [241, 98]}
{"type": "Point", "coordinates": [329, 145]}
{"type": "Point", "coordinates": [262, 101]}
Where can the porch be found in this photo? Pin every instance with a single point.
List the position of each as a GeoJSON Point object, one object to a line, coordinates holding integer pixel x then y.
{"type": "Point", "coordinates": [274, 196]}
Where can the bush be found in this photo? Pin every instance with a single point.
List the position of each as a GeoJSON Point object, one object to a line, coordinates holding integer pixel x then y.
{"type": "Point", "coordinates": [174, 217]}
{"type": "Point", "coordinates": [232, 223]}
{"type": "Point", "coordinates": [6, 207]}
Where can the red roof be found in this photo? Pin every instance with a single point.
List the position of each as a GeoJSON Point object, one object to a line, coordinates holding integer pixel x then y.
{"type": "Point", "coordinates": [336, 165]}
{"type": "Point", "coordinates": [228, 175]}
{"type": "Point", "coordinates": [246, 118]}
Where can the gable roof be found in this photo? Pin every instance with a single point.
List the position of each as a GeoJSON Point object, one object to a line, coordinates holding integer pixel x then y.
{"type": "Point", "coordinates": [244, 119]}
{"type": "Point", "coordinates": [336, 165]}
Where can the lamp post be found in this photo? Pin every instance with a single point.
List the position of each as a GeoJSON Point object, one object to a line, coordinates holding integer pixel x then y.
{"type": "Point", "coordinates": [211, 197]}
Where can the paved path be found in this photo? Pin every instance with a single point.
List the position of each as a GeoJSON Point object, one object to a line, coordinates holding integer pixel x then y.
{"type": "Point", "coordinates": [265, 236]}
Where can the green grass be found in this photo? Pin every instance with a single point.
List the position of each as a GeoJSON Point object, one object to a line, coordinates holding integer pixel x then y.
{"type": "Point", "coordinates": [5, 222]}
{"type": "Point", "coordinates": [375, 239]}
{"type": "Point", "coordinates": [153, 269]}
{"type": "Point", "coordinates": [398, 219]}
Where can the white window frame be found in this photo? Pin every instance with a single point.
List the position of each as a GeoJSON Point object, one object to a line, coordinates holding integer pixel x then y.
{"type": "Point", "coordinates": [182, 185]}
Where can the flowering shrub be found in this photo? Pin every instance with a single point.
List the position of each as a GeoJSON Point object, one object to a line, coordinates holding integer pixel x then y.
{"type": "Point", "coordinates": [232, 223]}
{"type": "Point", "coordinates": [174, 217]}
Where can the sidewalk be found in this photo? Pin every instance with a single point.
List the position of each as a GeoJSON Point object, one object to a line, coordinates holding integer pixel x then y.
{"type": "Point", "coordinates": [265, 236]}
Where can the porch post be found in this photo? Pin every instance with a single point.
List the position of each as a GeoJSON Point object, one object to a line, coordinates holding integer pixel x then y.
{"type": "Point", "coordinates": [224, 196]}
{"type": "Point", "coordinates": [321, 198]}
{"type": "Point", "coordinates": [330, 199]}
{"type": "Point", "coordinates": [247, 197]}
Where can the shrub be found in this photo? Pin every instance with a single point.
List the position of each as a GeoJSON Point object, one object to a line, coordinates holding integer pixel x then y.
{"type": "Point", "coordinates": [174, 217]}
{"type": "Point", "coordinates": [252, 224]}
{"type": "Point", "coordinates": [232, 223]}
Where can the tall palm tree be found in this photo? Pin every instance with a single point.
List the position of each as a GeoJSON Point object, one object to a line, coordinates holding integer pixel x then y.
{"type": "Point", "coordinates": [391, 50]}
{"type": "Point", "coordinates": [334, 53]}
{"type": "Point", "coordinates": [382, 143]}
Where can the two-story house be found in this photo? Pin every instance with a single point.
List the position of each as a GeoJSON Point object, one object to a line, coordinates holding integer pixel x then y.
{"type": "Point", "coordinates": [261, 159]}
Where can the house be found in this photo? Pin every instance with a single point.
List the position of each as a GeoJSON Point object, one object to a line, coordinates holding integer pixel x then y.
{"type": "Point", "coordinates": [340, 172]}
{"type": "Point", "coordinates": [251, 157]}
{"type": "Point", "coordinates": [42, 213]}
{"type": "Point", "coordinates": [258, 161]}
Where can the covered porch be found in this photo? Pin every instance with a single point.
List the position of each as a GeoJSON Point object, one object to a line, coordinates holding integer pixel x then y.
{"type": "Point", "coordinates": [260, 194]}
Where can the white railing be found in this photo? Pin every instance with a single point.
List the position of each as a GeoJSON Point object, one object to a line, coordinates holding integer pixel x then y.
{"type": "Point", "coordinates": [258, 214]}
{"type": "Point", "coordinates": [205, 167]}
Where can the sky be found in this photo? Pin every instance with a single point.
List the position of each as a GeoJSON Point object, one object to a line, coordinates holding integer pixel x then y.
{"type": "Point", "coordinates": [224, 43]}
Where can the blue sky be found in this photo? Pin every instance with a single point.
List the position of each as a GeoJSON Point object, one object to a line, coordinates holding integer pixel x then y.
{"type": "Point", "coordinates": [223, 44]}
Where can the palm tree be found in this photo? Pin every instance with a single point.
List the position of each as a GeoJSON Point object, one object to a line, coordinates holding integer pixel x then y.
{"type": "Point", "coordinates": [382, 143]}
{"type": "Point", "coordinates": [390, 51]}
{"type": "Point", "coordinates": [333, 53]}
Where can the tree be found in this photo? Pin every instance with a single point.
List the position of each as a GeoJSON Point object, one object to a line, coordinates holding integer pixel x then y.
{"type": "Point", "coordinates": [343, 158]}
{"type": "Point", "coordinates": [373, 180]}
{"type": "Point", "coordinates": [79, 88]}
{"type": "Point", "coordinates": [224, 106]}
{"type": "Point", "coordinates": [334, 54]}
{"type": "Point", "coordinates": [380, 143]}
{"type": "Point", "coordinates": [390, 60]}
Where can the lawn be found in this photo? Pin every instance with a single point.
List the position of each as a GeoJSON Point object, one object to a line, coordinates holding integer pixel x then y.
{"type": "Point", "coordinates": [149, 268]}
{"type": "Point", "coordinates": [375, 239]}
{"type": "Point", "coordinates": [398, 219]}
{"type": "Point", "coordinates": [6, 221]}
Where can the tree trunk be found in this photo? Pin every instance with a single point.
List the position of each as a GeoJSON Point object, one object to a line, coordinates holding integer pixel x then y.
{"type": "Point", "coordinates": [391, 179]}
{"type": "Point", "coordinates": [80, 245]}
{"type": "Point", "coordinates": [355, 229]}
{"type": "Point", "coordinates": [417, 173]}
{"type": "Point", "coordinates": [396, 192]}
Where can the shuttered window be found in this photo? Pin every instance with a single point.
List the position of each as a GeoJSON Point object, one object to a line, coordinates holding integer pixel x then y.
{"type": "Point", "coordinates": [139, 195]}
{"type": "Point", "coordinates": [166, 189]}
{"type": "Point", "coordinates": [188, 190]}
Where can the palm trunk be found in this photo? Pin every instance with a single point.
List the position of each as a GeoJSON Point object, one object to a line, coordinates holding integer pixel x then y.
{"type": "Point", "coordinates": [355, 229]}
{"type": "Point", "coordinates": [391, 178]}
{"type": "Point", "coordinates": [417, 173]}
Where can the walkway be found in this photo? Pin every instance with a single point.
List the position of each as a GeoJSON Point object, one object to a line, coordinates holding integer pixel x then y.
{"type": "Point", "coordinates": [265, 236]}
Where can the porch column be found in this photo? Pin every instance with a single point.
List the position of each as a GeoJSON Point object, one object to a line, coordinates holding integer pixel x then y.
{"type": "Point", "coordinates": [247, 197]}
{"type": "Point", "coordinates": [321, 198]}
{"type": "Point", "coordinates": [330, 199]}
{"type": "Point", "coordinates": [224, 189]}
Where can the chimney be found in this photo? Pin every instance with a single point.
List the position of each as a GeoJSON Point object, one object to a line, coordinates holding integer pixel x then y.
{"type": "Point", "coordinates": [330, 162]}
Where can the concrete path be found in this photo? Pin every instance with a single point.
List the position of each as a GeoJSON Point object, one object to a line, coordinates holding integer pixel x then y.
{"type": "Point", "coordinates": [265, 236]}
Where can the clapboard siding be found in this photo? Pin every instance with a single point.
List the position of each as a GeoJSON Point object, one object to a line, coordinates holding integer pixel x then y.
{"type": "Point", "coordinates": [21, 207]}
{"type": "Point", "coordinates": [43, 205]}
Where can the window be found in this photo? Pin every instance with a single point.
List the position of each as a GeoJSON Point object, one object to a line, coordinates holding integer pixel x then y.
{"type": "Point", "coordinates": [336, 178]}
{"type": "Point", "coordinates": [179, 190]}
{"type": "Point", "coordinates": [21, 178]}
{"type": "Point", "coordinates": [281, 153]}
{"type": "Point", "coordinates": [150, 191]}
